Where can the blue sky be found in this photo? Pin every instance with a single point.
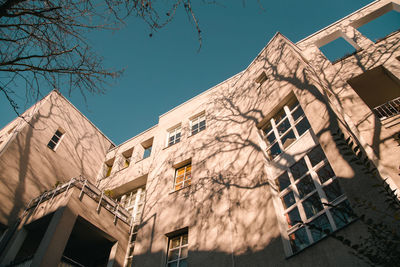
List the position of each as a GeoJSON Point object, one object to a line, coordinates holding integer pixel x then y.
{"type": "Point", "coordinates": [167, 69]}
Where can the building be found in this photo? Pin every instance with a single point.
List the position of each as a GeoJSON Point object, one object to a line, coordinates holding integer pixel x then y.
{"type": "Point", "coordinates": [249, 173]}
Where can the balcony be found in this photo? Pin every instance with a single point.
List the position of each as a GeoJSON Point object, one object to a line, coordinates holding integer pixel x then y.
{"type": "Point", "coordinates": [388, 109]}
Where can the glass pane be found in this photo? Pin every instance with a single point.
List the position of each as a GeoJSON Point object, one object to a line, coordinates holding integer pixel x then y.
{"type": "Point", "coordinates": [271, 138]}
{"type": "Point", "coordinates": [173, 254]}
{"type": "Point", "coordinates": [293, 217]}
{"type": "Point", "coordinates": [147, 152]}
{"type": "Point", "coordinates": [318, 227]}
{"type": "Point", "coordinates": [299, 169]}
{"type": "Point", "coordinates": [302, 126]}
{"type": "Point", "coordinates": [299, 240]}
{"type": "Point", "coordinates": [172, 138]}
{"type": "Point", "coordinates": [312, 205]}
{"type": "Point", "coordinates": [183, 263]}
{"type": "Point", "coordinates": [178, 186]}
{"type": "Point", "coordinates": [305, 186]}
{"type": "Point", "coordinates": [179, 179]}
{"type": "Point", "coordinates": [333, 190]}
{"type": "Point", "coordinates": [175, 242]}
{"type": "Point", "coordinates": [51, 144]}
{"type": "Point", "coordinates": [316, 155]}
{"type": "Point", "coordinates": [58, 133]}
{"type": "Point", "coordinates": [342, 214]}
{"type": "Point", "coordinates": [288, 200]}
{"type": "Point", "coordinates": [180, 171]}
{"type": "Point", "coordinates": [267, 128]}
{"type": "Point", "coordinates": [283, 127]}
{"type": "Point", "coordinates": [184, 252]}
{"type": "Point", "coordinates": [185, 239]}
{"type": "Point", "coordinates": [188, 168]}
{"type": "Point", "coordinates": [178, 135]}
{"type": "Point", "coordinates": [279, 116]}
{"type": "Point", "coordinates": [293, 104]}
{"type": "Point", "coordinates": [325, 173]}
{"type": "Point", "coordinates": [203, 124]}
{"type": "Point", "coordinates": [297, 113]}
{"type": "Point", "coordinates": [275, 150]}
{"type": "Point", "coordinates": [283, 181]}
{"type": "Point", "coordinates": [288, 139]}
{"type": "Point", "coordinates": [173, 264]}
{"type": "Point", "coordinates": [55, 139]}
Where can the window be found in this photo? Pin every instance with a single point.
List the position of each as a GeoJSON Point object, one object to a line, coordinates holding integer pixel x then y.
{"type": "Point", "coordinates": [198, 124]}
{"type": "Point", "coordinates": [55, 140]}
{"type": "Point", "coordinates": [108, 165]}
{"type": "Point", "coordinates": [133, 201]}
{"type": "Point", "coordinates": [183, 176]}
{"type": "Point", "coordinates": [147, 152]}
{"type": "Point", "coordinates": [177, 251]}
{"type": "Point", "coordinates": [127, 156]}
{"type": "Point", "coordinates": [303, 190]}
{"type": "Point", "coordinates": [174, 136]}
{"type": "Point", "coordinates": [261, 78]}
{"type": "Point", "coordinates": [147, 145]}
{"type": "Point", "coordinates": [284, 128]}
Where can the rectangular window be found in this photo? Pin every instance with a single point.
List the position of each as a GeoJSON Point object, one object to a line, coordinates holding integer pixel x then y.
{"type": "Point", "coordinates": [303, 190]}
{"type": "Point", "coordinates": [183, 176]}
{"type": "Point", "coordinates": [284, 128]}
{"type": "Point", "coordinates": [178, 251]}
{"type": "Point", "coordinates": [55, 140]}
{"type": "Point", "coordinates": [127, 156]}
{"type": "Point", "coordinates": [108, 166]}
{"type": "Point", "coordinates": [133, 201]}
{"type": "Point", "coordinates": [198, 124]}
{"type": "Point", "coordinates": [174, 136]}
{"type": "Point", "coordinates": [147, 152]}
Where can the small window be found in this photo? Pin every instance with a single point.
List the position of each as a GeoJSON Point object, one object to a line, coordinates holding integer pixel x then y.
{"type": "Point", "coordinates": [174, 136]}
{"type": "Point", "coordinates": [183, 176]}
{"type": "Point", "coordinates": [178, 251]}
{"type": "Point", "coordinates": [261, 78]}
{"type": "Point", "coordinates": [147, 145]}
{"type": "Point", "coordinates": [127, 156]}
{"type": "Point", "coordinates": [108, 166]}
{"type": "Point", "coordinates": [198, 124]}
{"type": "Point", "coordinates": [133, 201]}
{"type": "Point", "coordinates": [55, 140]}
{"type": "Point", "coordinates": [147, 152]}
{"type": "Point", "coordinates": [288, 124]}
{"type": "Point", "coordinates": [303, 191]}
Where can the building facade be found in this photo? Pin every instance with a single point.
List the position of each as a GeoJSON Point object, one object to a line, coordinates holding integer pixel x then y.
{"type": "Point", "coordinates": [267, 168]}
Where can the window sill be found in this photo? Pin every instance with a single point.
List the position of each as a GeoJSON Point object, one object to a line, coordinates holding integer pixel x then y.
{"type": "Point", "coordinates": [197, 133]}
{"type": "Point", "coordinates": [175, 191]}
{"type": "Point", "coordinates": [140, 160]}
{"type": "Point", "coordinates": [171, 145]}
{"type": "Point", "coordinates": [323, 238]}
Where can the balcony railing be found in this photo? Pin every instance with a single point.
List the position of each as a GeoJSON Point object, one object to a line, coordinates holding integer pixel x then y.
{"type": "Point", "coordinates": [388, 109]}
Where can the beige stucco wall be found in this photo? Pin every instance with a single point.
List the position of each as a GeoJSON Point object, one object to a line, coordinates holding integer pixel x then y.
{"type": "Point", "coordinates": [28, 167]}
{"type": "Point", "coordinates": [230, 209]}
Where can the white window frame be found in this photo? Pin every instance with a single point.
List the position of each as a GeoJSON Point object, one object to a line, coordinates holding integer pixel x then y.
{"type": "Point", "coordinates": [196, 121]}
{"type": "Point", "coordinates": [173, 133]}
{"type": "Point", "coordinates": [326, 209]}
{"type": "Point", "coordinates": [179, 248]}
{"type": "Point", "coordinates": [187, 176]}
{"type": "Point", "coordinates": [56, 143]}
{"type": "Point", "coordinates": [133, 201]}
{"type": "Point", "coordinates": [273, 131]}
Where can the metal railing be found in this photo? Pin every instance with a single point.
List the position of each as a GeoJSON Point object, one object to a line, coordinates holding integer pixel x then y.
{"type": "Point", "coordinates": [388, 109]}
{"type": "Point", "coordinates": [90, 190]}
